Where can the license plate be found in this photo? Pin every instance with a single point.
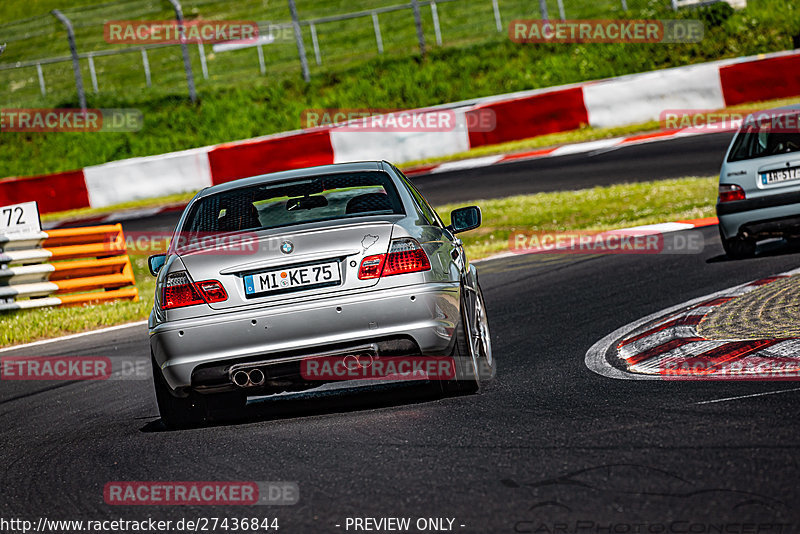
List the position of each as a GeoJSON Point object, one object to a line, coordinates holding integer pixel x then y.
{"type": "Point", "coordinates": [292, 278]}
{"type": "Point", "coordinates": [780, 175]}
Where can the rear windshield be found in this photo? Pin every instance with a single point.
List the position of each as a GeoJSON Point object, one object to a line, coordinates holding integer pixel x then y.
{"type": "Point", "coordinates": [761, 141]}
{"type": "Point", "coordinates": [303, 200]}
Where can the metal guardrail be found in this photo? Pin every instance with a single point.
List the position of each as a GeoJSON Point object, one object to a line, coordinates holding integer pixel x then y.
{"type": "Point", "coordinates": [34, 271]}
{"type": "Point", "coordinates": [264, 27]}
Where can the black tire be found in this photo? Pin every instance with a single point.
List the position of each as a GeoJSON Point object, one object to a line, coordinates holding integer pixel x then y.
{"type": "Point", "coordinates": [739, 247]}
{"type": "Point", "coordinates": [465, 381]}
{"type": "Point", "coordinates": [469, 370]}
{"type": "Point", "coordinates": [177, 412]}
{"type": "Point", "coordinates": [487, 365]}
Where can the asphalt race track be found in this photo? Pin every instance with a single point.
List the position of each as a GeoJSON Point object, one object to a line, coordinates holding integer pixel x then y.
{"type": "Point", "coordinates": [549, 447]}
{"type": "Point", "coordinates": [699, 155]}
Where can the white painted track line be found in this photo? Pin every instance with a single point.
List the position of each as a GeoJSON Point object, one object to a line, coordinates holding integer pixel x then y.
{"type": "Point", "coordinates": [74, 336]}
{"type": "Point", "coordinates": [726, 399]}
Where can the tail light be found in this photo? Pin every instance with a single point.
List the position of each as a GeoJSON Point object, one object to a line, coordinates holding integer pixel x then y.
{"type": "Point", "coordinates": [730, 192]}
{"type": "Point", "coordinates": [180, 291]}
{"type": "Point", "coordinates": [212, 291]}
{"type": "Point", "coordinates": [371, 267]}
{"type": "Point", "coordinates": [405, 256]}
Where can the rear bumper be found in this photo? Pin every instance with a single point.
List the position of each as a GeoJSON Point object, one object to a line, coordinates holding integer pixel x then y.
{"type": "Point", "coordinates": [427, 313]}
{"type": "Point", "coordinates": [775, 214]}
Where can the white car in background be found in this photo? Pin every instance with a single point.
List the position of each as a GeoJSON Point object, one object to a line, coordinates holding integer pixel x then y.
{"type": "Point", "coordinates": [759, 183]}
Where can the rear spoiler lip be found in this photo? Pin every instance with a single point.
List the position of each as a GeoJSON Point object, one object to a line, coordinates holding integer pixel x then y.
{"type": "Point", "coordinates": [284, 260]}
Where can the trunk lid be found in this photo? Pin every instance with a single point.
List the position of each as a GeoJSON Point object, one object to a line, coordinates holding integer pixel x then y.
{"type": "Point", "coordinates": [283, 265]}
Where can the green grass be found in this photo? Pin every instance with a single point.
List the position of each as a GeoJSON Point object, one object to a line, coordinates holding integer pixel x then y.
{"type": "Point", "coordinates": [600, 208]}
{"type": "Point", "coordinates": [238, 104]}
{"type": "Point", "coordinates": [30, 325]}
{"type": "Point", "coordinates": [343, 44]}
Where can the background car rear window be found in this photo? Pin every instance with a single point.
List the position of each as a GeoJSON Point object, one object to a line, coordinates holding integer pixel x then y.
{"type": "Point", "coordinates": [758, 142]}
{"type": "Point", "coordinates": [304, 200]}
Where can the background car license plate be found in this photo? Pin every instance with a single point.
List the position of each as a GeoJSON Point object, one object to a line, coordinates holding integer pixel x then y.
{"type": "Point", "coordinates": [780, 175]}
{"type": "Point", "coordinates": [307, 276]}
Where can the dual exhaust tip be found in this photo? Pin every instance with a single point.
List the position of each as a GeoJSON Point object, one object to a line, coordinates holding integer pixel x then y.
{"type": "Point", "coordinates": [245, 378]}
{"type": "Point", "coordinates": [252, 377]}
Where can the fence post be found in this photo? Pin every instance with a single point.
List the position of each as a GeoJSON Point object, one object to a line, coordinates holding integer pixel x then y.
{"type": "Point", "coordinates": [543, 9]}
{"type": "Point", "coordinates": [625, 5]}
{"type": "Point", "coordinates": [315, 42]}
{"type": "Point", "coordinates": [674, 5]}
{"type": "Point", "coordinates": [497, 21]}
{"type": "Point", "coordinates": [76, 66]}
{"type": "Point", "coordinates": [418, 24]}
{"type": "Point", "coordinates": [298, 36]}
{"type": "Point", "coordinates": [42, 87]}
{"type": "Point", "coordinates": [561, 9]}
{"type": "Point", "coordinates": [261, 64]}
{"type": "Point", "coordinates": [202, 51]}
{"type": "Point", "coordinates": [146, 64]}
{"type": "Point", "coordinates": [437, 30]}
{"type": "Point", "coordinates": [187, 64]}
{"type": "Point", "coordinates": [377, 27]}
{"type": "Point", "coordinates": [92, 72]}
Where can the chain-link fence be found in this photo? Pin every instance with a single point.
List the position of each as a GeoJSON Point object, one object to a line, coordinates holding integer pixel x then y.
{"type": "Point", "coordinates": [36, 66]}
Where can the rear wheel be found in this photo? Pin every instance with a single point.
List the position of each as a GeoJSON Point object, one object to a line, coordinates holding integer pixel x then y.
{"type": "Point", "coordinates": [465, 380]}
{"type": "Point", "coordinates": [739, 247]}
{"type": "Point", "coordinates": [177, 411]}
{"type": "Point", "coordinates": [472, 350]}
{"type": "Point", "coordinates": [482, 341]}
{"type": "Point", "coordinates": [195, 408]}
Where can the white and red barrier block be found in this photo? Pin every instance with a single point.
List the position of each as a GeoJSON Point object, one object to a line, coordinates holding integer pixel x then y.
{"type": "Point", "coordinates": [619, 101]}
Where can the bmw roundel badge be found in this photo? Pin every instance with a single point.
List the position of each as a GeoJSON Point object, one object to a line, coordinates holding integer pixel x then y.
{"type": "Point", "coordinates": [287, 247]}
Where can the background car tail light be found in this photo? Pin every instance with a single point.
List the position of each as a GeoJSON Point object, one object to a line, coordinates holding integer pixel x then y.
{"type": "Point", "coordinates": [730, 192]}
{"type": "Point", "coordinates": [179, 291]}
{"type": "Point", "coordinates": [405, 256]}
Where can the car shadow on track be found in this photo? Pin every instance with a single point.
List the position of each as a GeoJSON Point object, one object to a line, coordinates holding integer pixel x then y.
{"type": "Point", "coordinates": [767, 249]}
{"type": "Point", "coordinates": [317, 403]}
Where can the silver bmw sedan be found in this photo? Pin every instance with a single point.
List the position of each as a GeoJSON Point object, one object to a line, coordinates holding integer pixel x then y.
{"type": "Point", "coordinates": [334, 275]}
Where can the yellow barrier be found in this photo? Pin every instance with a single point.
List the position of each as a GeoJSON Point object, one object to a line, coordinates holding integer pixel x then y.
{"type": "Point", "coordinates": [86, 260]}
{"type": "Point", "coordinates": [109, 270]}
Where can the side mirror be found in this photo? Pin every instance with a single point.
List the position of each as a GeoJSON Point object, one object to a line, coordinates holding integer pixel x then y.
{"type": "Point", "coordinates": [464, 219]}
{"type": "Point", "coordinates": [156, 262]}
